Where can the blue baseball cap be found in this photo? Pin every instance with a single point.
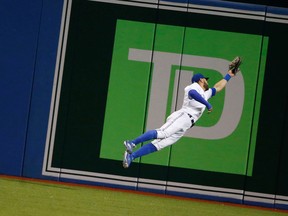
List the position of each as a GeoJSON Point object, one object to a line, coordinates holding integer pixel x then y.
{"type": "Point", "coordinates": [197, 77]}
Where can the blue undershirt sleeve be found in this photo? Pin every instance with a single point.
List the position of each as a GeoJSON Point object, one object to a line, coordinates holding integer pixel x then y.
{"type": "Point", "coordinates": [213, 91]}
{"type": "Point", "coordinates": [193, 94]}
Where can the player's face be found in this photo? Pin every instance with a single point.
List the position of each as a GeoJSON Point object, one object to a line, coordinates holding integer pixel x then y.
{"type": "Point", "coordinates": [205, 84]}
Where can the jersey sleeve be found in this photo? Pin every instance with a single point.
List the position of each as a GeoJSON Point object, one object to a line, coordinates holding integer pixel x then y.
{"type": "Point", "coordinates": [193, 94]}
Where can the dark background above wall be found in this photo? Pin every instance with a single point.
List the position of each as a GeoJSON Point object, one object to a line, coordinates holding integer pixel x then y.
{"type": "Point", "coordinates": [274, 3]}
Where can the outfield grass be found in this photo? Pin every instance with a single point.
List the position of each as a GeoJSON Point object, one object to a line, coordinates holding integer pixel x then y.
{"type": "Point", "coordinates": [22, 197]}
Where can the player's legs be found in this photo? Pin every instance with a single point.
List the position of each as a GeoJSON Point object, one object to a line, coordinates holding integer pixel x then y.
{"type": "Point", "coordinates": [178, 121]}
{"type": "Point", "coordinates": [153, 134]}
{"type": "Point", "coordinates": [175, 127]}
{"type": "Point", "coordinates": [144, 150]}
{"type": "Point", "coordinates": [130, 144]}
{"type": "Point", "coordinates": [149, 148]}
{"type": "Point", "coordinates": [173, 130]}
{"type": "Point", "coordinates": [163, 143]}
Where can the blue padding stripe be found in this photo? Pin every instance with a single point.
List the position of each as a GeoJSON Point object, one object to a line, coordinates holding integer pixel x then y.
{"type": "Point", "coordinates": [204, 197]}
{"type": "Point", "coordinates": [217, 3]}
{"type": "Point", "coordinates": [262, 204]}
{"type": "Point", "coordinates": [177, 1]}
{"type": "Point", "coordinates": [277, 10]}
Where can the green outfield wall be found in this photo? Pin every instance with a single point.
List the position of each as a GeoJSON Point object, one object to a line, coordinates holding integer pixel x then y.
{"type": "Point", "coordinates": [124, 73]}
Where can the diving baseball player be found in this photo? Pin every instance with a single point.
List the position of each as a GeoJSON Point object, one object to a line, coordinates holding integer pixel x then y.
{"type": "Point", "coordinates": [196, 96]}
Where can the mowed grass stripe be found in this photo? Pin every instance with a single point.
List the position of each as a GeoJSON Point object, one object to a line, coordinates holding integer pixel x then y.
{"type": "Point", "coordinates": [24, 197]}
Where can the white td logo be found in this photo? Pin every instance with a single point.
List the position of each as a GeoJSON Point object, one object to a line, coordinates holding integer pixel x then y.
{"type": "Point", "coordinates": [163, 61]}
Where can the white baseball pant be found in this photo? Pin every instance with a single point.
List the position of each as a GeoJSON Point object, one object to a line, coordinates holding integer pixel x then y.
{"type": "Point", "coordinates": [174, 128]}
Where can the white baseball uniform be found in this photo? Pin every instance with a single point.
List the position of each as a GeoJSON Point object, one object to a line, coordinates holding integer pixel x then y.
{"type": "Point", "coordinates": [180, 121]}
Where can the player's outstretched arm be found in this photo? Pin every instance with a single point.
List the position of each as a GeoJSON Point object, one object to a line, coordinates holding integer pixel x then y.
{"type": "Point", "coordinates": [233, 70]}
{"type": "Point", "coordinates": [222, 83]}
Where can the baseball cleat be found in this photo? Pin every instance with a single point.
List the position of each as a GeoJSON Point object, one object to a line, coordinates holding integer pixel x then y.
{"type": "Point", "coordinates": [127, 159]}
{"type": "Point", "coordinates": [129, 146]}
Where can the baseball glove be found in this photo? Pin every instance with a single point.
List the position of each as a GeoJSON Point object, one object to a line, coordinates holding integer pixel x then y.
{"type": "Point", "coordinates": [234, 65]}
